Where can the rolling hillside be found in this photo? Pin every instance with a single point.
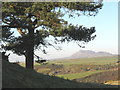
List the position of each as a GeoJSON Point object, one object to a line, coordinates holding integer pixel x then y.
{"type": "Point", "coordinates": [101, 77]}
{"type": "Point", "coordinates": [80, 68]}
{"type": "Point", "coordinates": [15, 76]}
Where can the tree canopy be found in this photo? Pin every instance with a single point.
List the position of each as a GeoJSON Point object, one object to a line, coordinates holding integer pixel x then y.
{"type": "Point", "coordinates": [35, 21]}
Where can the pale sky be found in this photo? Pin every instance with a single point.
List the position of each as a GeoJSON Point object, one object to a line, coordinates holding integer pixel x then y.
{"type": "Point", "coordinates": [106, 24]}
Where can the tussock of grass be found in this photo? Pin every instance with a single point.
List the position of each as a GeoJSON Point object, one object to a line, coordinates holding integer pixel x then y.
{"type": "Point", "coordinates": [15, 76]}
{"type": "Point", "coordinates": [113, 82]}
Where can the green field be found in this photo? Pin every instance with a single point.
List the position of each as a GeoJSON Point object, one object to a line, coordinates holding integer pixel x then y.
{"type": "Point", "coordinates": [97, 60]}
{"type": "Point", "coordinates": [77, 75]}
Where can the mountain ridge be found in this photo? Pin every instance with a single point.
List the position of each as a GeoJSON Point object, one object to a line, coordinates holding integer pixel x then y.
{"type": "Point", "coordinates": [87, 54]}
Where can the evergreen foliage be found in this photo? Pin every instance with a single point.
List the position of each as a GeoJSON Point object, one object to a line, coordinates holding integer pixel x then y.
{"type": "Point", "coordinates": [35, 21]}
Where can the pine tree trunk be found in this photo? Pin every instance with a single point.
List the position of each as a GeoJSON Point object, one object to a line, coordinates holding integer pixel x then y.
{"type": "Point", "coordinates": [30, 50]}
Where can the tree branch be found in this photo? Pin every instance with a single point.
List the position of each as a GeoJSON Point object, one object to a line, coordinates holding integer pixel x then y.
{"type": "Point", "coordinates": [14, 26]}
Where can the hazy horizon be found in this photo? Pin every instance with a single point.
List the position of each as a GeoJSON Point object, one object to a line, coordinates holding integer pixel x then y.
{"type": "Point", "coordinates": [15, 58]}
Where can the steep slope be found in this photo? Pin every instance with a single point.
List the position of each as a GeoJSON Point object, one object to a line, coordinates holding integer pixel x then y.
{"type": "Point", "coordinates": [15, 76]}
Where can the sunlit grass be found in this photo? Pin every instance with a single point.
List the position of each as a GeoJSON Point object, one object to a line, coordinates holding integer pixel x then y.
{"type": "Point", "coordinates": [113, 82]}
{"type": "Point", "coordinates": [79, 75]}
{"type": "Point", "coordinates": [22, 64]}
{"type": "Point", "coordinates": [43, 70]}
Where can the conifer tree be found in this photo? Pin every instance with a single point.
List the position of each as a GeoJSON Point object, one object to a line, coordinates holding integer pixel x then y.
{"type": "Point", "coordinates": [35, 21]}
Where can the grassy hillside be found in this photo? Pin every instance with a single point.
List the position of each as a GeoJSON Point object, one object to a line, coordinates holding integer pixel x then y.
{"type": "Point", "coordinates": [101, 77]}
{"type": "Point", "coordinates": [15, 76]}
{"type": "Point", "coordinates": [77, 68]}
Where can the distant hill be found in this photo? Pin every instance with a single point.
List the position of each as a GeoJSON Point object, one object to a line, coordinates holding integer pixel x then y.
{"type": "Point", "coordinates": [87, 54]}
{"type": "Point", "coordinates": [15, 76]}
